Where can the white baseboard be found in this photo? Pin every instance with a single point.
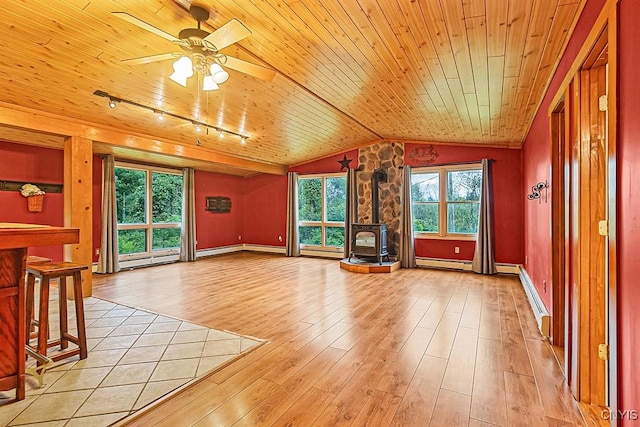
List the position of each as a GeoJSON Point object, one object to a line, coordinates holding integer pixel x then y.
{"type": "Point", "coordinates": [143, 262]}
{"type": "Point", "coordinates": [322, 254]}
{"type": "Point", "coordinates": [265, 248]}
{"type": "Point", "coordinates": [537, 306]}
{"type": "Point", "coordinates": [455, 264]}
{"type": "Point", "coordinates": [218, 251]}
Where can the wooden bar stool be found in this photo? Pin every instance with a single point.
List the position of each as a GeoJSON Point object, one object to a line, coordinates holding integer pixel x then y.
{"type": "Point", "coordinates": [31, 321]}
{"type": "Point", "coordinates": [58, 270]}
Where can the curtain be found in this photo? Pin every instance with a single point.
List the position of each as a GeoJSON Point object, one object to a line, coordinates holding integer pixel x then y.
{"type": "Point", "coordinates": [188, 229]}
{"type": "Point", "coordinates": [293, 242]}
{"type": "Point", "coordinates": [483, 259]}
{"type": "Point", "coordinates": [351, 209]}
{"type": "Point", "coordinates": [407, 252]}
{"type": "Point", "coordinates": [108, 259]}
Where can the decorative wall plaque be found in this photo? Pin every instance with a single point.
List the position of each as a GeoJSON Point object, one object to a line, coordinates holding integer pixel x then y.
{"type": "Point", "coordinates": [218, 204]}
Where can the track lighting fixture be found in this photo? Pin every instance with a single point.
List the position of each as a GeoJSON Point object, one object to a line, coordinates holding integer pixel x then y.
{"type": "Point", "coordinates": [198, 126]}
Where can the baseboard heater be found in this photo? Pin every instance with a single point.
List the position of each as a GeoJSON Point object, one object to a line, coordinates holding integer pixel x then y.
{"type": "Point", "coordinates": [537, 306]}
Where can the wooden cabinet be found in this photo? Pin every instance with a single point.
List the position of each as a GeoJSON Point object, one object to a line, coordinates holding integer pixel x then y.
{"type": "Point", "coordinates": [14, 241]}
{"type": "Point", "coordinates": [11, 311]}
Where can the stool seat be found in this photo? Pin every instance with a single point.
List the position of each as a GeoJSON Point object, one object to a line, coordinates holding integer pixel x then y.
{"type": "Point", "coordinates": [34, 259]}
{"type": "Point", "coordinates": [55, 269]}
{"type": "Point", "coordinates": [45, 272]}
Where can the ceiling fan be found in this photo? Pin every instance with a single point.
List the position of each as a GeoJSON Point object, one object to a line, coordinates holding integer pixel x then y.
{"type": "Point", "coordinates": [201, 50]}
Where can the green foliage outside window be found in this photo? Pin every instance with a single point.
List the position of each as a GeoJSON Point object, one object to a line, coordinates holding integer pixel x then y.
{"type": "Point", "coordinates": [167, 198]}
{"type": "Point", "coordinates": [336, 193]}
{"type": "Point", "coordinates": [131, 207]}
{"type": "Point", "coordinates": [319, 216]}
{"type": "Point", "coordinates": [131, 187]}
{"type": "Point", "coordinates": [461, 206]}
{"type": "Point", "coordinates": [335, 236]}
{"type": "Point", "coordinates": [132, 241]}
{"type": "Point", "coordinates": [310, 199]}
{"type": "Point", "coordinates": [310, 235]}
{"type": "Point", "coordinates": [463, 195]}
{"type": "Point", "coordinates": [165, 238]}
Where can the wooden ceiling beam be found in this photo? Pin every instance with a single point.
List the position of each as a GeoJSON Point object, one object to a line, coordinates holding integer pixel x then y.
{"type": "Point", "coordinates": [25, 118]}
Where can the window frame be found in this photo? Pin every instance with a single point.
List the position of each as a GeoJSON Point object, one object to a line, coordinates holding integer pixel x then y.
{"type": "Point", "coordinates": [443, 203]}
{"type": "Point", "coordinates": [323, 223]}
{"type": "Point", "coordinates": [148, 225]}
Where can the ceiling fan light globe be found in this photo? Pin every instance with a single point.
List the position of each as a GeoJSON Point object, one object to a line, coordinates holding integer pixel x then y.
{"type": "Point", "coordinates": [219, 75]}
{"type": "Point", "coordinates": [182, 70]}
{"type": "Point", "coordinates": [179, 78]}
{"type": "Point", "coordinates": [208, 83]}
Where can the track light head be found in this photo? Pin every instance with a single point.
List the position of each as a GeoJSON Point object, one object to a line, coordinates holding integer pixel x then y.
{"type": "Point", "coordinates": [112, 103]}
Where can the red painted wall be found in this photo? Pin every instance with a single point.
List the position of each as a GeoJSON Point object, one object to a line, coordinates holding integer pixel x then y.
{"type": "Point", "coordinates": [218, 229]}
{"type": "Point", "coordinates": [32, 164]}
{"type": "Point", "coordinates": [265, 210]}
{"type": "Point", "coordinates": [629, 207]}
{"type": "Point", "coordinates": [537, 163]}
{"type": "Point", "coordinates": [508, 203]}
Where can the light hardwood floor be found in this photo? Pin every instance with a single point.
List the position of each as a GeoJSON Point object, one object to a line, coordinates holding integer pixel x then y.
{"type": "Point", "coordinates": [414, 347]}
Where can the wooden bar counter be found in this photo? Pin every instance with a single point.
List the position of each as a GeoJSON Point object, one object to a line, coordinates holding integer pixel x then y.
{"type": "Point", "coordinates": [14, 241]}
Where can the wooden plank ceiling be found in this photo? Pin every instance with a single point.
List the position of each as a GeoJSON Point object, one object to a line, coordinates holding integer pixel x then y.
{"type": "Point", "coordinates": [348, 72]}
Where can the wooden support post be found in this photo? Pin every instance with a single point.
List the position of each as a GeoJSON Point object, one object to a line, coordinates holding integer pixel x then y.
{"type": "Point", "coordinates": [78, 153]}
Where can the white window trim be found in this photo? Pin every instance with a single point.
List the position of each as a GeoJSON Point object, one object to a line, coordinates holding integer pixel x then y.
{"type": "Point", "coordinates": [324, 223]}
{"type": "Point", "coordinates": [442, 233]}
{"type": "Point", "coordinates": [148, 226]}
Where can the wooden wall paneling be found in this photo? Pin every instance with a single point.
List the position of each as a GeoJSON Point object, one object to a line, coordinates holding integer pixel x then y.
{"type": "Point", "coordinates": [455, 22]}
{"type": "Point", "coordinates": [586, 347]}
{"type": "Point", "coordinates": [574, 237]}
{"type": "Point", "coordinates": [349, 72]}
{"type": "Point", "coordinates": [612, 203]}
{"type": "Point", "coordinates": [558, 284]}
{"type": "Point", "coordinates": [550, 57]}
{"type": "Point", "coordinates": [598, 244]}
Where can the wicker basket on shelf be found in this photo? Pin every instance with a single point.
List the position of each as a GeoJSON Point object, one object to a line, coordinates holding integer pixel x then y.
{"type": "Point", "coordinates": [34, 203]}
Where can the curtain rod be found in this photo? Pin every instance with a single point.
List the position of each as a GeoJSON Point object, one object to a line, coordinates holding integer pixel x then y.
{"type": "Point", "coordinates": [451, 164]}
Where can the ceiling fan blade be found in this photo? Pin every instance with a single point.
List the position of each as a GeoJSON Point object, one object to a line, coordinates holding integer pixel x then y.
{"type": "Point", "coordinates": [141, 24]}
{"type": "Point", "coordinates": [252, 69]}
{"type": "Point", "coordinates": [226, 35]}
{"type": "Point", "coordinates": [150, 58]}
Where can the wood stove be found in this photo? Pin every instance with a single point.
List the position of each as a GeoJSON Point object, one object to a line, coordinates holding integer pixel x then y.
{"type": "Point", "coordinates": [369, 241]}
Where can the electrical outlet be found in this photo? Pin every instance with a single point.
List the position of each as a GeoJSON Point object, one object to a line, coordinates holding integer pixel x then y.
{"type": "Point", "coordinates": [239, 237]}
{"type": "Point", "coordinates": [279, 238]}
{"type": "Point", "coordinates": [456, 249]}
{"type": "Point", "coordinates": [97, 251]}
{"type": "Point", "coordinates": [526, 259]}
{"type": "Point", "coordinates": [544, 286]}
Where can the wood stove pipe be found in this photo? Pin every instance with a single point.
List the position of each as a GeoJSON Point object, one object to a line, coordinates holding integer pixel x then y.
{"type": "Point", "coordinates": [378, 176]}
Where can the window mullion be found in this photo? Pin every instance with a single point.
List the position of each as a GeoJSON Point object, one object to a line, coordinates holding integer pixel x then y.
{"type": "Point", "coordinates": [442, 205]}
{"type": "Point", "coordinates": [149, 212]}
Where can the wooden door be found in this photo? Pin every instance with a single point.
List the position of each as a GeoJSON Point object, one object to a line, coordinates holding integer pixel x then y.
{"type": "Point", "coordinates": [586, 240]}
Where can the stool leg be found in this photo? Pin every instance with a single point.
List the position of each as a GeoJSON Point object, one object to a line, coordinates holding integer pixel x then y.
{"type": "Point", "coordinates": [64, 322]}
{"type": "Point", "coordinates": [31, 283]}
{"type": "Point", "coordinates": [43, 319]}
{"type": "Point", "coordinates": [82, 336]}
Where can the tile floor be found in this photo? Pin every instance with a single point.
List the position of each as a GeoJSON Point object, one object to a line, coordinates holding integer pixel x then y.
{"type": "Point", "coordinates": [135, 357]}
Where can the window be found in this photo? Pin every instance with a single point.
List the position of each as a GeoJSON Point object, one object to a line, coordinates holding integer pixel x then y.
{"type": "Point", "coordinates": [446, 201]}
{"type": "Point", "coordinates": [321, 208]}
{"type": "Point", "coordinates": [149, 211]}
